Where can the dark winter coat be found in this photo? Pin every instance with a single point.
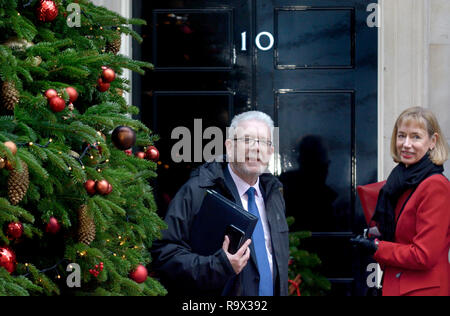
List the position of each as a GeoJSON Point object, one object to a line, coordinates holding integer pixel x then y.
{"type": "Point", "coordinates": [185, 273]}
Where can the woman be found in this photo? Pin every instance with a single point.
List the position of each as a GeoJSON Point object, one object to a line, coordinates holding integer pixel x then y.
{"type": "Point", "coordinates": [413, 211]}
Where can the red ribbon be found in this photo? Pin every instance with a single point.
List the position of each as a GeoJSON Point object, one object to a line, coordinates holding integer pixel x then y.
{"type": "Point", "coordinates": [296, 285]}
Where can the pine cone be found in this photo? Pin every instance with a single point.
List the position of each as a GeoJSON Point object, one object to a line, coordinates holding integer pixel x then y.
{"type": "Point", "coordinates": [114, 45]}
{"type": "Point", "coordinates": [86, 226]}
{"type": "Point", "coordinates": [10, 95]}
{"type": "Point", "coordinates": [18, 183]}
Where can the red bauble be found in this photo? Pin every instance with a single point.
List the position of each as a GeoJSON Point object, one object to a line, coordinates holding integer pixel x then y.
{"type": "Point", "coordinates": [7, 259]}
{"type": "Point", "coordinates": [57, 104]}
{"type": "Point", "coordinates": [102, 86]}
{"type": "Point", "coordinates": [50, 93]}
{"type": "Point", "coordinates": [46, 10]}
{"type": "Point", "coordinates": [128, 152]}
{"type": "Point", "coordinates": [53, 226]}
{"type": "Point", "coordinates": [15, 230]}
{"type": "Point", "coordinates": [73, 94]}
{"type": "Point", "coordinates": [102, 187]}
{"type": "Point", "coordinates": [108, 75]}
{"type": "Point", "coordinates": [152, 153]}
{"type": "Point", "coordinates": [110, 188]}
{"type": "Point", "coordinates": [140, 154]}
{"type": "Point", "coordinates": [140, 274]}
{"type": "Point", "coordinates": [90, 187]}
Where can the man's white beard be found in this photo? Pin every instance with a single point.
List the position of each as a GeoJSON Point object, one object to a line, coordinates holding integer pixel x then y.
{"type": "Point", "coordinates": [239, 163]}
{"type": "Point", "coordinates": [241, 168]}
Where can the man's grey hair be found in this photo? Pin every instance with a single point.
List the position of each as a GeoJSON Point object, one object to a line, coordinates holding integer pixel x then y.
{"type": "Point", "coordinates": [250, 116]}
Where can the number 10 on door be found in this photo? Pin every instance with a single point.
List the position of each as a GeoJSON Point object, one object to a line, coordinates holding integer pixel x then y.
{"type": "Point", "coordinates": [258, 41]}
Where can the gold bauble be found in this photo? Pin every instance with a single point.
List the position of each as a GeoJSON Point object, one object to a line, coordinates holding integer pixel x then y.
{"type": "Point", "coordinates": [11, 146]}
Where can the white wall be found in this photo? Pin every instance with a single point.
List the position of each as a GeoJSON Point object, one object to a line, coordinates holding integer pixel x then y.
{"type": "Point", "coordinates": [439, 65]}
{"type": "Point", "coordinates": [414, 66]}
{"type": "Point", "coordinates": [124, 8]}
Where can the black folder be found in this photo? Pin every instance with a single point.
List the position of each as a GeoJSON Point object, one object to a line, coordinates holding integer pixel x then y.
{"type": "Point", "coordinates": [215, 215]}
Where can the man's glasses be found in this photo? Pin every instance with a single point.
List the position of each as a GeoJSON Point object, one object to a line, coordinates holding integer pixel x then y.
{"type": "Point", "coordinates": [252, 141]}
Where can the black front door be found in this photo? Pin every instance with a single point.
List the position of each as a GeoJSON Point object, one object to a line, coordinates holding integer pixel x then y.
{"type": "Point", "coordinates": [311, 65]}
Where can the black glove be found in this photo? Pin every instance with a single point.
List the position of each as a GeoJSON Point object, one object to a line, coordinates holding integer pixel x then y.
{"type": "Point", "coordinates": [367, 244]}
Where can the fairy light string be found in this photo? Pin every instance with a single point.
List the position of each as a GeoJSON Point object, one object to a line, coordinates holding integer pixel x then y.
{"type": "Point", "coordinates": [79, 158]}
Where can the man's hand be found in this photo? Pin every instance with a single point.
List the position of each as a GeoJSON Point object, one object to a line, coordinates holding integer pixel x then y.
{"type": "Point", "coordinates": [240, 258]}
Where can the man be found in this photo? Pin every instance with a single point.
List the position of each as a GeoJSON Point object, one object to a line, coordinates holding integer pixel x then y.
{"type": "Point", "coordinates": [260, 266]}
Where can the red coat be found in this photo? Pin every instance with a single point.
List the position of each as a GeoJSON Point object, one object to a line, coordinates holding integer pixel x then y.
{"type": "Point", "coordinates": [417, 263]}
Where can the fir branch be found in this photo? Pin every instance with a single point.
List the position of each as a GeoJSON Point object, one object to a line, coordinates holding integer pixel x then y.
{"type": "Point", "coordinates": [103, 207]}
{"type": "Point", "coordinates": [13, 286]}
{"type": "Point", "coordinates": [28, 285]}
{"type": "Point", "coordinates": [134, 34]}
{"type": "Point", "coordinates": [56, 159]}
{"type": "Point", "coordinates": [101, 122]}
{"type": "Point", "coordinates": [7, 123]}
{"type": "Point", "coordinates": [15, 212]}
{"type": "Point", "coordinates": [37, 151]}
{"type": "Point", "coordinates": [77, 126]}
{"type": "Point", "coordinates": [99, 218]}
{"type": "Point", "coordinates": [120, 119]}
{"type": "Point", "coordinates": [33, 193]}
{"type": "Point", "coordinates": [25, 73]}
{"type": "Point", "coordinates": [23, 27]}
{"type": "Point", "coordinates": [71, 72]}
{"type": "Point", "coordinates": [34, 165]}
{"type": "Point", "coordinates": [102, 108]}
{"type": "Point", "coordinates": [43, 280]}
{"type": "Point", "coordinates": [28, 131]}
{"type": "Point", "coordinates": [136, 21]}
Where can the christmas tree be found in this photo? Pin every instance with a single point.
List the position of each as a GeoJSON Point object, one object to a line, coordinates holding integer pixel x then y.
{"type": "Point", "coordinates": [303, 276]}
{"type": "Point", "coordinates": [77, 213]}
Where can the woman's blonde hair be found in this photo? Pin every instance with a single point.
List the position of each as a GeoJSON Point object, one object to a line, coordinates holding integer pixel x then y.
{"type": "Point", "coordinates": [426, 120]}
